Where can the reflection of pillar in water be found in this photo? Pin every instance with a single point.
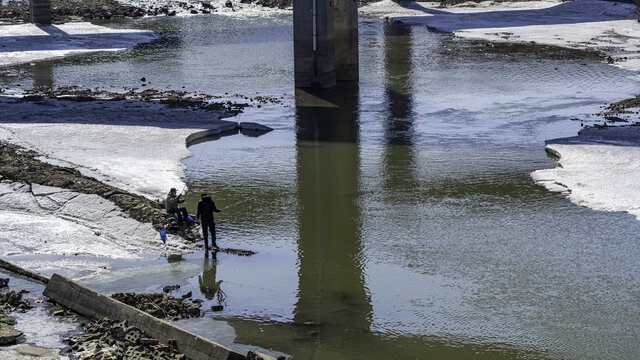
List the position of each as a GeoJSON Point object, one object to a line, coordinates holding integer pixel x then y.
{"type": "Point", "coordinates": [331, 291]}
{"type": "Point", "coordinates": [43, 76]}
{"type": "Point", "coordinates": [399, 131]}
{"type": "Point", "coordinates": [399, 125]}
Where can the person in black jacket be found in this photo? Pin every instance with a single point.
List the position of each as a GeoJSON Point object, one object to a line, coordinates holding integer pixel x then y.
{"type": "Point", "coordinates": [206, 208]}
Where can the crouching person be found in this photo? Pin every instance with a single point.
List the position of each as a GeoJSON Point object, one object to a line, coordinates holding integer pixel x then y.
{"type": "Point", "coordinates": [172, 205]}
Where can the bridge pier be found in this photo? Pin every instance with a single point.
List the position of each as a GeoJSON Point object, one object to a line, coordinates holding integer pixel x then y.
{"type": "Point", "coordinates": [325, 42]}
{"type": "Point", "coordinates": [346, 35]}
{"type": "Point", "coordinates": [40, 11]}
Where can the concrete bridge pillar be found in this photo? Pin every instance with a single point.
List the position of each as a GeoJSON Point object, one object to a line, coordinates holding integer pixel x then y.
{"type": "Point", "coordinates": [325, 39]}
{"type": "Point", "coordinates": [346, 33]}
{"type": "Point", "coordinates": [40, 11]}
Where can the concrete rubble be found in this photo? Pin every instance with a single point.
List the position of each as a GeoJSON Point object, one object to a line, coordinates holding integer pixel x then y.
{"type": "Point", "coordinates": [10, 301]}
{"type": "Point", "coordinates": [161, 305]}
{"type": "Point", "coordinates": [110, 339]}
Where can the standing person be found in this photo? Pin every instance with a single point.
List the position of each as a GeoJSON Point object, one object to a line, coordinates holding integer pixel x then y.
{"type": "Point", "coordinates": [172, 205]}
{"type": "Point", "coordinates": [206, 208]}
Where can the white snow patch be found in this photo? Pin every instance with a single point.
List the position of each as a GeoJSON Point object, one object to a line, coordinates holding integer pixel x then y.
{"type": "Point", "coordinates": [62, 222]}
{"type": "Point", "coordinates": [142, 159]}
{"type": "Point", "coordinates": [29, 42]}
{"type": "Point", "coordinates": [601, 177]}
{"type": "Point", "coordinates": [605, 26]}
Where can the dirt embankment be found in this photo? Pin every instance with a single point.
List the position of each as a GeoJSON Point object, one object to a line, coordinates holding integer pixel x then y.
{"type": "Point", "coordinates": [18, 164]}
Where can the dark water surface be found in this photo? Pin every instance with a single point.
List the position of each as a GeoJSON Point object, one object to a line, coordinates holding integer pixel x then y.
{"type": "Point", "coordinates": [395, 219]}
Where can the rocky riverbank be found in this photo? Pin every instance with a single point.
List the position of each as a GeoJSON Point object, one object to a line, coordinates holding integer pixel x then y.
{"type": "Point", "coordinates": [65, 10]}
{"type": "Point", "coordinates": [170, 98]}
{"type": "Point", "coordinates": [625, 110]}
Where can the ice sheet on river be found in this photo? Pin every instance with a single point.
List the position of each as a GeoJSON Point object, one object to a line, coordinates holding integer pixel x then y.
{"type": "Point", "coordinates": [141, 159]}
{"type": "Point", "coordinates": [598, 169]}
{"type": "Point", "coordinates": [24, 43]}
{"type": "Point", "coordinates": [606, 26]}
{"type": "Point", "coordinates": [46, 220]}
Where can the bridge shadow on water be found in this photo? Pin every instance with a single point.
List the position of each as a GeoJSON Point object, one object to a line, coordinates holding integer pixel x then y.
{"type": "Point", "coordinates": [566, 13]}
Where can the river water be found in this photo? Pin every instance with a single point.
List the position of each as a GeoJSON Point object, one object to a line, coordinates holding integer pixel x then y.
{"type": "Point", "coordinates": [395, 219]}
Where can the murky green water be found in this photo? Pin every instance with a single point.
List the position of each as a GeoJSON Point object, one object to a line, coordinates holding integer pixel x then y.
{"type": "Point", "coordinates": [397, 219]}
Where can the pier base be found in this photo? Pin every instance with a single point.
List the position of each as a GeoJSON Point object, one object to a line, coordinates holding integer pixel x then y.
{"type": "Point", "coordinates": [40, 11]}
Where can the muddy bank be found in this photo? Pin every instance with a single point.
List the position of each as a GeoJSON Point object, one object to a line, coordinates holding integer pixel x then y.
{"type": "Point", "coordinates": [170, 98]}
{"type": "Point", "coordinates": [623, 111]}
{"type": "Point", "coordinates": [20, 165]}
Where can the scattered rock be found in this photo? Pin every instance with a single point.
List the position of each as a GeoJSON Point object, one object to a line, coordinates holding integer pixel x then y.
{"type": "Point", "coordinates": [4, 282]}
{"type": "Point", "coordinates": [217, 308]}
{"type": "Point", "coordinates": [12, 300]}
{"type": "Point", "coordinates": [187, 295]}
{"type": "Point", "coordinates": [170, 288]}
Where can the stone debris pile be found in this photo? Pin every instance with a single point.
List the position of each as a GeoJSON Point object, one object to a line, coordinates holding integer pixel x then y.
{"type": "Point", "coordinates": [162, 305]}
{"type": "Point", "coordinates": [108, 339]}
{"type": "Point", "coordinates": [12, 300]}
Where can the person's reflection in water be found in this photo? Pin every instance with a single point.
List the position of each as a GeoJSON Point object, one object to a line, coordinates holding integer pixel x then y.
{"type": "Point", "coordinates": [209, 286]}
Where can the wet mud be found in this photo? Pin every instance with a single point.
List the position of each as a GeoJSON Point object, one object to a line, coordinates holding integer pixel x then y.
{"type": "Point", "coordinates": [169, 98]}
